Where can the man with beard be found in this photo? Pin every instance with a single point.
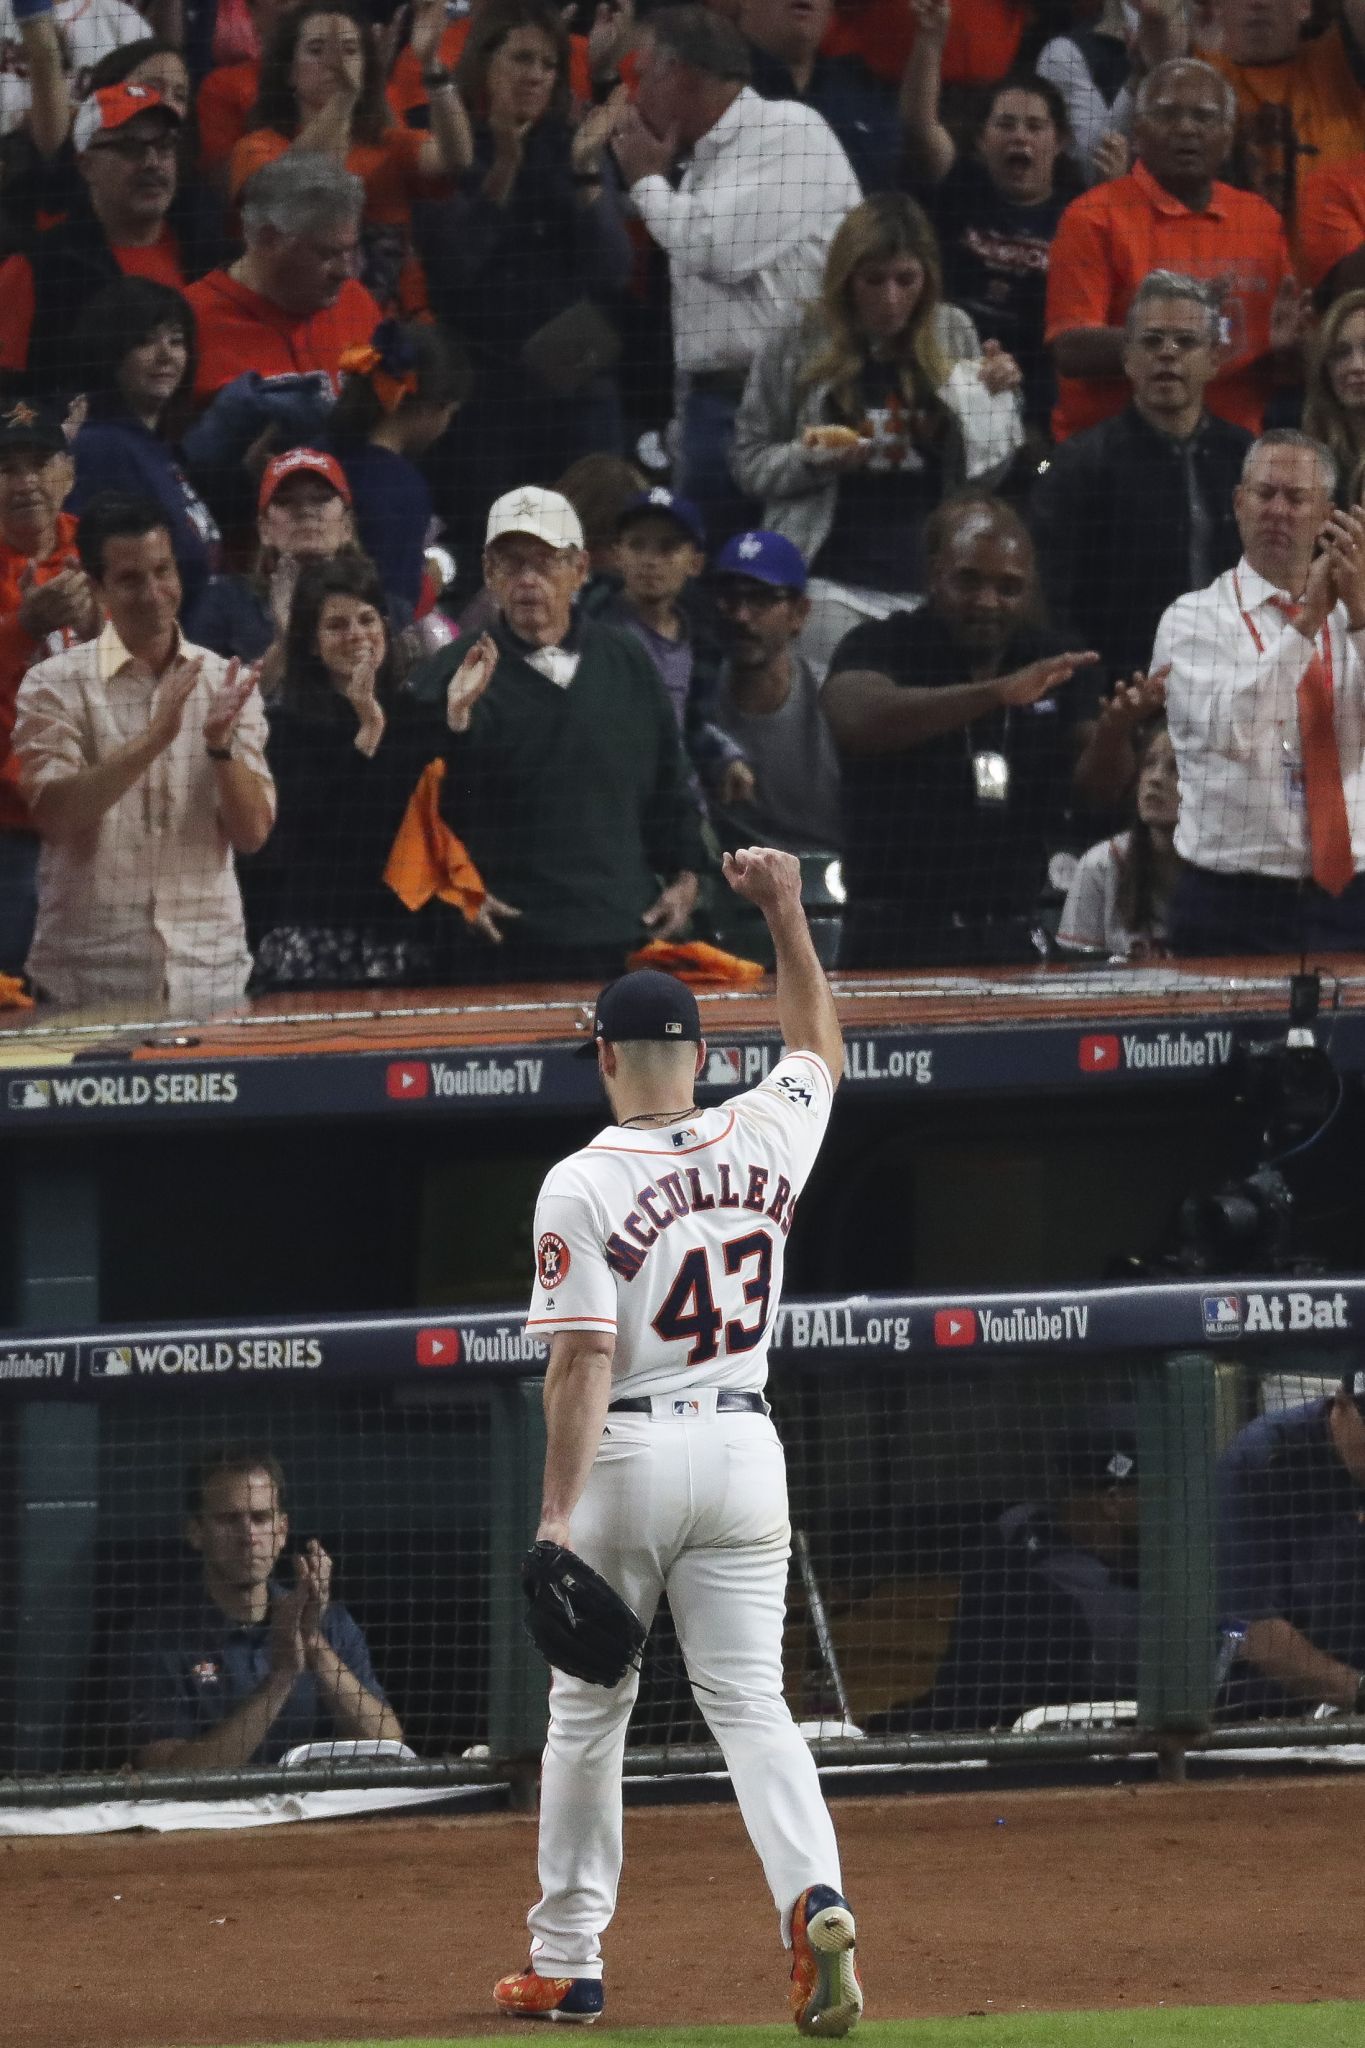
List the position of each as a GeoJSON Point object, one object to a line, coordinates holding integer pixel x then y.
{"type": "Point", "coordinates": [957, 740]}
{"type": "Point", "coordinates": [768, 701]}
{"type": "Point", "coordinates": [125, 138]}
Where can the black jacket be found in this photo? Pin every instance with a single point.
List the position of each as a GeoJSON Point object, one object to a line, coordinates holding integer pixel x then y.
{"type": "Point", "coordinates": [1110, 515]}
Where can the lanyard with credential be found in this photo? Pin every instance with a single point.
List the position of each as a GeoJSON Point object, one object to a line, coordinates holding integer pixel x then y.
{"type": "Point", "coordinates": [1289, 610]}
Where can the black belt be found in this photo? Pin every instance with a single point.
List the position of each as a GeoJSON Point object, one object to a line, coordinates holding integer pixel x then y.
{"type": "Point", "coordinates": [729, 1401]}
{"type": "Point", "coordinates": [720, 383]}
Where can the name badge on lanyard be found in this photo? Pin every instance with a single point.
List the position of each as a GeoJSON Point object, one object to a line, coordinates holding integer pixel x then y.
{"type": "Point", "coordinates": [992, 776]}
{"type": "Point", "coordinates": [1291, 764]}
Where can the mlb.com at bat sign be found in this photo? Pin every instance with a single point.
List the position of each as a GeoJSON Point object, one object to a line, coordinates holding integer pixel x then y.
{"type": "Point", "coordinates": [463, 1080]}
{"type": "Point", "coordinates": [1261, 1314]}
{"type": "Point", "coordinates": [1066, 1322]}
{"type": "Point", "coordinates": [1163, 1051]}
{"type": "Point", "coordinates": [177, 1088]}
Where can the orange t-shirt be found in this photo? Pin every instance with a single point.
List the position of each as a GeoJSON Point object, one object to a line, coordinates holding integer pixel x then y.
{"type": "Point", "coordinates": [389, 169]}
{"type": "Point", "coordinates": [406, 89]}
{"type": "Point", "coordinates": [224, 105]}
{"type": "Point", "coordinates": [982, 44]}
{"type": "Point", "coordinates": [160, 262]}
{"type": "Point", "coordinates": [18, 652]}
{"type": "Point", "coordinates": [239, 330]}
{"type": "Point", "coordinates": [1108, 240]}
{"type": "Point", "coordinates": [1318, 86]}
{"type": "Point", "coordinates": [1331, 218]}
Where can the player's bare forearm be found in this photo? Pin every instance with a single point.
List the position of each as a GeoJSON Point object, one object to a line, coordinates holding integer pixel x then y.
{"type": "Point", "coordinates": [1283, 1654]}
{"type": "Point", "coordinates": [232, 1743]}
{"type": "Point", "coordinates": [357, 1714]}
{"type": "Point", "coordinates": [806, 1015]}
{"type": "Point", "coordinates": [577, 1391]}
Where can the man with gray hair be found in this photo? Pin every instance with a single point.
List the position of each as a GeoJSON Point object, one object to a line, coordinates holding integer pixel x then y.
{"type": "Point", "coordinates": [746, 232]}
{"type": "Point", "coordinates": [1265, 695]}
{"type": "Point", "coordinates": [1171, 212]}
{"type": "Point", "coordinates": [290, 304]}
{"type": "Point", "coordinates": [1132, 513]}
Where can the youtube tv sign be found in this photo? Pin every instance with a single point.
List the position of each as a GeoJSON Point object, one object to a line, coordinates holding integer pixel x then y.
{"type": "Point", "coordinates": [407, 1080]}
{"type": "Point", "coordinates": [1099, 1053]}
{"type": "Point", "coordinates": [954, 1326]}
{"type": "Point", "coordinates": [438, 1347]}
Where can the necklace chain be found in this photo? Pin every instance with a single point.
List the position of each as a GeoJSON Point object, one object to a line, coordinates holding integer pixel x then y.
{"type": "Point", "coordinates": [669, 1116]}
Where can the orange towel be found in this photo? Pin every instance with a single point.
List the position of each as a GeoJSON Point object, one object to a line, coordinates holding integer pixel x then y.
{"type": "Point", "coordinates": [12, 995]}
{"type": "Point", "coordinates": [426, 859]}
{"type": "Point", "coordinates": [700, 965]}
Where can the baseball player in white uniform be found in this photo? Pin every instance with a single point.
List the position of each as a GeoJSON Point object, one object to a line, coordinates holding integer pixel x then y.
{"type": "Point", "coordinates": [658, 1270]}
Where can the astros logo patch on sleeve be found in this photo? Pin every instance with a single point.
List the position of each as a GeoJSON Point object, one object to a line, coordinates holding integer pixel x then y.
{"type": "Point", "coordinates": [552, 1259]}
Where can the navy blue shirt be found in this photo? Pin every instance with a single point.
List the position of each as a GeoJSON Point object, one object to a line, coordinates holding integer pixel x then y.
{"type": "Point", "coordinates": [861, 108]}
{"type": "Point", "coordinates": [1291, 1532]}
{"type": "Point", "coordinates": [188, 1667]}
{"type": "Point", "coordinates": [125, 455]}
{"type": "Point", "coordinates": [393, 515]}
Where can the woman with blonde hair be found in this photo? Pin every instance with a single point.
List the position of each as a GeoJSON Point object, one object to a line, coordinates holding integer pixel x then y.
{"type": "Point", "coordinates": [1334, 408]}
{"type": "Point", "coordinates": [858, 420]}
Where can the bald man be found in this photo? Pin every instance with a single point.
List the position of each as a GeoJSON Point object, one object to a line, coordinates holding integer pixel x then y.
{"type": "Point", "coordinates": [958, 730]}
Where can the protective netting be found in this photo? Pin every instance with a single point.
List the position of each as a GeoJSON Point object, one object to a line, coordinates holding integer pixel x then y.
{"type": "Point", "coordinates": [892, 375]}
{"type": "Point", "coordinates": [1124, 1542]}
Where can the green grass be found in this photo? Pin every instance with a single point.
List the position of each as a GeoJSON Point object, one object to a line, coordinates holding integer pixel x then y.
{"type": "Point", "coordinates": [1191, 2026]}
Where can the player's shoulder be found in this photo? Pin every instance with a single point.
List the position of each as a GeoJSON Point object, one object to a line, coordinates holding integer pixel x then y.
{"type": "Point", "coordinates": [800, 1082]}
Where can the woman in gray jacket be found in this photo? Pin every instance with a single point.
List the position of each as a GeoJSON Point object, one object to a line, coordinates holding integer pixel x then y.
{"type": "Point", "coordinates": [861, 418]}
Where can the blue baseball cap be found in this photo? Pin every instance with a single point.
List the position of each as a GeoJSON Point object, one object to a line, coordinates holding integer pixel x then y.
{"type": "Point", "coordinates": [764, 558]}
{"type": "Point", "coordinates": [667, 502]}
{"type": "Point", "coordinates": [645, 1004]}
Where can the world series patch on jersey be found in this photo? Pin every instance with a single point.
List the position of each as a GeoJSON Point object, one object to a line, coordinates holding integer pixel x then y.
{"type": "Point", "coordinates": [673, 1239]}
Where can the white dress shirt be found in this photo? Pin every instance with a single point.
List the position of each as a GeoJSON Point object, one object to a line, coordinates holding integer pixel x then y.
{"type": "Point", "coordinates": [1233, 715]}
{"type": "Point", "coordinates": [144, 906]}
{"type": "Point", "coordinates": [747, 232]}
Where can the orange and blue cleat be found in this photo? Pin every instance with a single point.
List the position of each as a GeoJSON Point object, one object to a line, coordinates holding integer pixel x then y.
{"type": "Point", "coordinates": [827, 1993]}
{"type": "Point", "coordinates": [525, 1996]}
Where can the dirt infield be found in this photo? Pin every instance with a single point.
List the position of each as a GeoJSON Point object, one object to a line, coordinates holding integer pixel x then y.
{"type": "Point", "coordinates": [969, 1902]}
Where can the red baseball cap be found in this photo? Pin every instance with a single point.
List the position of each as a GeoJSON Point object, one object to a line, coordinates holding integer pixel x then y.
{"type": "Point", "coordinates": [111, 107]}
{"type": "Point", "coordinates": [302, 461]}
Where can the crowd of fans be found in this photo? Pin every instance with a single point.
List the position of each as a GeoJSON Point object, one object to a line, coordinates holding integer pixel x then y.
{"type": "Point", "coordinates": [926, 437]}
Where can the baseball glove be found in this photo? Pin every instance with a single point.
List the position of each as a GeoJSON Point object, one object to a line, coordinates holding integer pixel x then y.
{"type": "Point", "coordinates": [576, 1620]}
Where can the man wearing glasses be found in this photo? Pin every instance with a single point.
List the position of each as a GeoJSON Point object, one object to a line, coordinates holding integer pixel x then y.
{"type": "Point", "coordinates": [1131, 514]}
{"type": "Point", "coordinates": [1171, 211]}
{"type": "Point", "coordinates": [125, 138]}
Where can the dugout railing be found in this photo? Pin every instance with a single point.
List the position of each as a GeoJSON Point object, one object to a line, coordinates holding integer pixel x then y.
{"type": "Point", "coordinates": [922, 1434]}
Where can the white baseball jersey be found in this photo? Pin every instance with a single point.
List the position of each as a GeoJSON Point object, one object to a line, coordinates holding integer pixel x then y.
{"type": "Point", "coordinates": [89, 30]}
{"type": "Point", "coordinates": [673, 1238]}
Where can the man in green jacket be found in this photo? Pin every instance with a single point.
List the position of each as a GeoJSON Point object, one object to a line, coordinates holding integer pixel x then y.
{"type": "Point", "coordinates": [565, 776]}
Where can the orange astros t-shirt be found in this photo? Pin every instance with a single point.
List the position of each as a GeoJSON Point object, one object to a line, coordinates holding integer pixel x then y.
{"type": "Point", "coordinates": [223, 109]}
{"type": "Point", "coordinates": [983, 39]}
{"type": "Point", "coordinates": [1108, 240]}
{"type": "Point", "coordinates": [1331, 218]}
{"type": "Point", "coordinates": [1318, 86]}
{"type": "Point", "coordinates": [239, 330]}
{"type": "Point", "coordinates": [160, 261]}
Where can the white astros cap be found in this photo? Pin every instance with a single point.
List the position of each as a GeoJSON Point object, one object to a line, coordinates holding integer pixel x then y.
{"type": "Point", "coordinates": [544, 514]}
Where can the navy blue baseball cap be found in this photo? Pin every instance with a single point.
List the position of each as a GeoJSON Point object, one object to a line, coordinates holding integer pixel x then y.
{"type": "Point", "coordinates": [670, 506]}
{"type": "Point", "coordinates": [764, 558]}
{"type": "Point", "coordinates": [32, 426]}
{"type": "Point", "coordinates": [646, 1004]}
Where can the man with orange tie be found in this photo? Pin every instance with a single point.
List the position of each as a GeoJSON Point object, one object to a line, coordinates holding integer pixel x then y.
{"type": "Point", "coordinates": [1266, 707]}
